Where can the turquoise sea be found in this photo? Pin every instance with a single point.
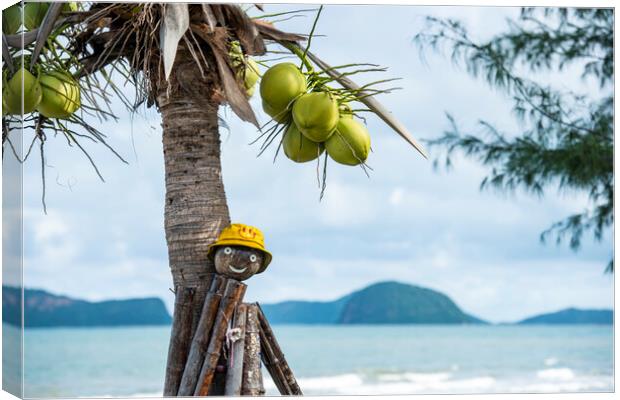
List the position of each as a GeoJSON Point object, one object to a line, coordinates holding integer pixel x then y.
{"type": "Point", "coordinates": [339, 359]}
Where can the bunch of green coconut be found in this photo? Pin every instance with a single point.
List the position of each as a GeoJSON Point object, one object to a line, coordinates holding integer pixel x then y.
{"type": "Point", "coordinates": [246, 68]}
{"type": "Point", "coordinates": [315, 119]}
{"type": "Point", "coordinates": [52, 91]}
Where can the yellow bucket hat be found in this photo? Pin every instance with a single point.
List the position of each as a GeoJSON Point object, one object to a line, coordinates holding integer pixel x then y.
{"type": "Point", "coordinates": [242, 235]}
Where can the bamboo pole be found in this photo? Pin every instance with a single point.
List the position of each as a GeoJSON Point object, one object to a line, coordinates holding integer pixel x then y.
{"type": "Point", "coordinates": [273, 367]}
{"type": "Point", "coordinates": [201, 293]}
{"type": "Point", "coordinates": [180, 337]}
{"type": "Point", "coordinates": [252, 384]}
{"type": "Point", "coordinates": [234, 373]}
{"type": "Point", "coordinates": [202, 336]}
{"type": "Point", "coordinates": [218, 385]}
{"type": "Point", "coordinates": [233, 295]}
{"type": "Point", "coordinates": [274, 359]}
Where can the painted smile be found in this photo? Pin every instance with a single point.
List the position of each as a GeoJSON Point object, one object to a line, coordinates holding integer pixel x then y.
{"type": "Point", "coordinates": [237, 270]}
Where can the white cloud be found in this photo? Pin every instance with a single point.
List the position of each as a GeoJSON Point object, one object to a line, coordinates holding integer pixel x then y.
{"type": "Point", "coordinates": [347, 206]}
{"type": "Point", "coordinates": [396, 197]}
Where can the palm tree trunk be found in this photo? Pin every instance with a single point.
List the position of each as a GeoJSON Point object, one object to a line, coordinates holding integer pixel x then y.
{"type": "Point", "coordinates": [195, 211]}
{"type": "Point", "coordinates": [196, 208]}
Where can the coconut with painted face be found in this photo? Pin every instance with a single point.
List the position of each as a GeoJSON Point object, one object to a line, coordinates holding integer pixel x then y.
{"type": "Point", "coordinates": [239, 252]}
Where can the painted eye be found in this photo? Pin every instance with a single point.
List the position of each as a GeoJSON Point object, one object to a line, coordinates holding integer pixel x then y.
{"type": "Point", "coordinates": [227, 250]}
{"type": "Point", "coordinates": [253, 258]}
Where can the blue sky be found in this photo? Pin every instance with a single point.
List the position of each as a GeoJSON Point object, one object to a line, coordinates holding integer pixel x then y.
{"type": "Point", "coordinates": [406, 222]}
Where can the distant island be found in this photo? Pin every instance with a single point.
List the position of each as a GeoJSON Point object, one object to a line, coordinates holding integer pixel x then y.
{"type": "Point", "coordinates": [380, 303]}
{"type": "Point", "coordinates": [43, 309]}
{"type": "Point", "coordinates": [572, 316]}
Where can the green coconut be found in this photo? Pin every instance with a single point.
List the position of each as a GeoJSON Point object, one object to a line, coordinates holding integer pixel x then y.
{"type": "Point", "coordinates": [281, 116]}
{"type": "Point", "coordinates": [12, 93]}
{"type": "Point", "coordinates": [73, 6]}
{"type": "Point", "coordinates": [246, 68]}
{"type": "Point", "coordinates": [316, 115]}
{"type": "Point", "coordinates": [12, 19]}
{"type": "Point", "coordinates": [279, 87]}
{"type": "Point", "coordinates": [61, 95]}
{"type": "Point", "coordinates": [350, 144]}
{"type": "Point", "coordinates": [249, 74]}
{"type": "Point", "coordinates": [34, 14]}
{"type": "Point", "coordinates": [299, 148]}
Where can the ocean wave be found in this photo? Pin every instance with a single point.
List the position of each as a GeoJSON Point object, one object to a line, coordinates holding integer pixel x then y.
{"type": "Point", "coordinates": [559, 374]}
{"type": "Point", "coordinates": [552, 380]}
{"type": "Point", "coordinates": [415, 377]}
{"type": "Point", "coordinates": [578, 384]}
{"type": "Point", "coordinates": [405, 383]}
{"type": "Point", "coordinates": [550, 361]}
{"type": "Point", "coordinates": [331, 382]}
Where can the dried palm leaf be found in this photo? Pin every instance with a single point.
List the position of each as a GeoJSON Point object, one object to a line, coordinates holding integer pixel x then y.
{"type": "Point", "coordinates": [175, 23]}
{"type": "Point", "coordinates": [246, 31]}
{"type": "Point", "coordinates": [270, 32]}
{"type": "Point", "coordinates": [235, 96]}
{"type": "Point", "coordinates": [209, 16]}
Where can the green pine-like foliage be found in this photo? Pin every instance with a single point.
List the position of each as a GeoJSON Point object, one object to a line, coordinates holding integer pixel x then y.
{"type": "Point", "coordinates": [566, 139]}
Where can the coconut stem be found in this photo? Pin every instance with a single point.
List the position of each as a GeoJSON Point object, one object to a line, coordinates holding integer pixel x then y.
{"type": "Point", "coordinates": [295, 49]}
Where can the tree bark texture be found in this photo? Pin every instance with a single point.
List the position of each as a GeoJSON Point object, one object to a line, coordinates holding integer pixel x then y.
{"type": "Point", "coordinates": [200, 340]}
{"type": "Point", "coordinates": [252, 375]}
{"type": "Point", "coordinates": [180, 338]}
{"type": "Point", "coordinates": [233, 296]}
{"type": "Point", "coordinates": [196, 209]}
{"type": "Point", "coordinates": [234, 374]}
{"type": "Point", "coordinates": [195, 205]}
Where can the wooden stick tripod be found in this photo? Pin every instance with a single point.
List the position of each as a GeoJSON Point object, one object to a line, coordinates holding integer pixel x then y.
{"type": "Point", "coordinates": [218, 350]}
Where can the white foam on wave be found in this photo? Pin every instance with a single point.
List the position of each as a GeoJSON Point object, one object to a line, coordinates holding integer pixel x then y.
{"type": "Point", "coordinates": [551, 361]}
{"type": "Point", "coordinates": [553, 380]}
{"type": "Point", "coordinates": [428, 384]}
{"type": "Point", "coordinates": [331, 382]}
{"type": "Point", "coordinates": [395, 383]}
{"type": "Point", "coordinates": [415, 377]}
{"type": "Point", "coordinates": [559, 374]}
{"type": "Point", "coordinates": [322, 383]}
{"type": "Point", "coordinates": [590, 384]}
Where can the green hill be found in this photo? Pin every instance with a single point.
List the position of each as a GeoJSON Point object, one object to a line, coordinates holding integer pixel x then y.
{"type": "Point", "coordinates": [381, 303]}
{"type": "Point", "coordinates": [572, 316]}
{"type": "Point", "coordinates": [43, 309]}
{"type": "Point", "coordinates": [399, 303]}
